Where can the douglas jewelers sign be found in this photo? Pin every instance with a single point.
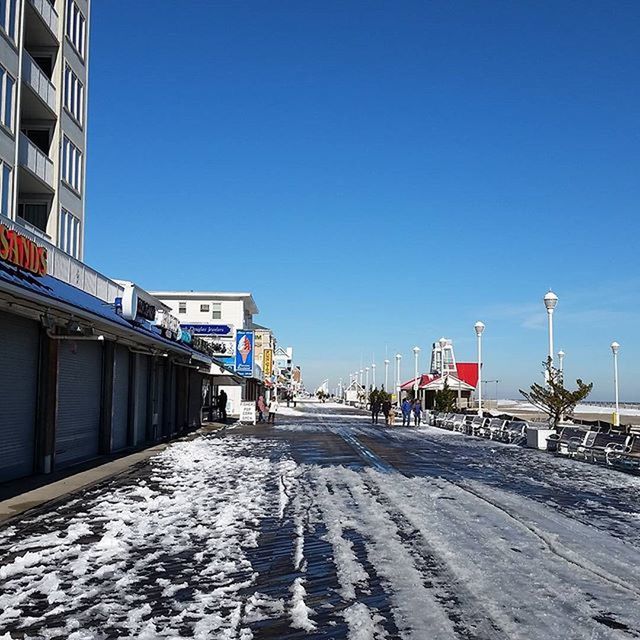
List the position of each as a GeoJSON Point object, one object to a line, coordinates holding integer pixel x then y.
{"type": "Point", "coordinates": [21, 252]}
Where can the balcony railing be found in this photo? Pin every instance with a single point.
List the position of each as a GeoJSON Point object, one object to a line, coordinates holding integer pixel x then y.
{"type": "Point", "coordinates": [30, 157]}
{"type": "Point", "coordinates": [47, 13]}
{"type": "Point", "coordinates": [62, 266]}
{"type": "Point", "coordinates": [38, 81]}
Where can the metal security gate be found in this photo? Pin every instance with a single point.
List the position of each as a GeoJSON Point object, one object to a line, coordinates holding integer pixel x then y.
{"type": "Point", "coordinates": [158, 402]}
{"type": "Point", "coordinates": [141, 398]}
{"type": "Point", "coordinates": [19, 349]}
{"type": "Point", "coordinates": [79, 399]}
{"type": "Point", "coordinates": [195, 399]}
{"type": "Point", "coordinates": [120, 423]}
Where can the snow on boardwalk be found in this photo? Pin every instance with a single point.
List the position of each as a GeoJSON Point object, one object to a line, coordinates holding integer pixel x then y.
{"type": "Point", "coordinates": [263, 535]}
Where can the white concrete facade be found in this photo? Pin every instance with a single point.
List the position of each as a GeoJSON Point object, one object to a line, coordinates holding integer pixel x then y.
{"type": "Point", "coordinates": [44, 58]}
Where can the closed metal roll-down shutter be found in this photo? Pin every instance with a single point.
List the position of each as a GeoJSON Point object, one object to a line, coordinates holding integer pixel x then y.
{"type": "Point", "coordinates": [141, 398]}
{"type": "Point", "coordinates": [195, 399]}
{"type": "Point", "coordinates": [19, 349]}
{"type": "Point", "coordinates": [120, 399]}
{"type": "Point", "coordinates": [159, 401]}
{"type": "Point", "coordinates": [79, 398]}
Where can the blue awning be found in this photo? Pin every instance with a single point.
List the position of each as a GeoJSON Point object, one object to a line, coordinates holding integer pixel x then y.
{"type": "Point", "coordinates": [55, 290]}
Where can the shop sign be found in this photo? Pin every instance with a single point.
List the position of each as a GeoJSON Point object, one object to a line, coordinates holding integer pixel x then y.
{"type": "Point", "coordinates": [133, 307]}
{"type": "Point", "coordinates": [244, 353]}
{"type": "Point", "coordinates": [21, 252]}
{"type": "Point", "coordinates": [248, 412]}
{"type": "Point", "coordinates": [209, 329]}
{"type": "Point", "coordinates": [222, 347]}
{"type": "Point", "coordinates": [169, 325]}
{"type": "Point", "coordinates": [185, 337]}
{"type": "Point", "coordinates": [267, 362]}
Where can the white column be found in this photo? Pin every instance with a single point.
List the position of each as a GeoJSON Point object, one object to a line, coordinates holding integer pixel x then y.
{"type": "Point", "coordinates": [386, 376]}
{"type": "Point", "coordinates": [398, 358]}
{"type": "Point", "coordinates": [367, 377]}
{"type": "Point", "coordinates": [616, 416]}
{"type": "Point", "coordinates": [550, 302]}
{"type": "Point", "coordinates": [373, 375]}
{"type": "Point", "coordinates": [479, 327]}
{"type": "Point", "coordinates": [416, 353]}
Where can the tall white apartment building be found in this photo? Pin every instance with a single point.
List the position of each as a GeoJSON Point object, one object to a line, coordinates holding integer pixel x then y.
{"type": "Point", "coordinates": [44, 47]}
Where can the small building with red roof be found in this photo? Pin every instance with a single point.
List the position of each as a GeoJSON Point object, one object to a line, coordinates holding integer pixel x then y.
{"type": "Point", "coordinates": [459, 376]}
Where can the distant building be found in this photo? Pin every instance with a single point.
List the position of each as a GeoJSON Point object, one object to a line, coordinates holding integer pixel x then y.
{"type": "Point", "coordinates": [222, 318]}
{"type": "Point", "coordinates": [462, 377]}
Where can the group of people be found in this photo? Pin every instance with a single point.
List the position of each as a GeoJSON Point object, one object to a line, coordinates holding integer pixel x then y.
{"type": "Point", "coordinates": [411, 407]}
{"type": "Point", "coordinates": [270, 409]}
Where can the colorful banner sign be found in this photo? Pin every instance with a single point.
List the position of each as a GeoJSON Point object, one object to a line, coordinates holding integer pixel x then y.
{"type": "Point", "coordinates": [244, 353]}
{"type": "Point", "coordinates": [267, 362]}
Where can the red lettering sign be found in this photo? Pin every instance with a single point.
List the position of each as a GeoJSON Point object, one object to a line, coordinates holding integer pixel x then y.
{"type": "Point", "coordinates": [22, 252]}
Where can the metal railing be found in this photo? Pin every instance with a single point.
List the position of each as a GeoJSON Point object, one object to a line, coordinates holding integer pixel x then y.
{"type": "Point", "coordinates": [66, 268]}
{"type": "Point", "coordinates": [47, 13]}
{"type": "Point", "coordinates": [39, 163]}
{"type": "Point", "coordinates": [38, 81]}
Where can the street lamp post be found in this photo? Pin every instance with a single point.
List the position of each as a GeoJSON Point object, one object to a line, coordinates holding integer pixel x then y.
{"type": "Point", "coordinates": [367, 378]}
{"type": "Point", "coordinates": [616, 416]}
{"type": "Point", "coordinates": [373, 375]}
{"type": "Point", "coordinates": [561, 355]}
{"type": "Point", "coordinates": [550, 302]}
{"type": "Point", "coordinates": [361, 376]}
{"type": "Point", "coordinates": [386, 375]}
{"type": "Point", "coordinates": [479, 327]}
{"type": "Point", "coordinates": [398, 358]}
{"type": "Point", "coordinates": [416, 353]}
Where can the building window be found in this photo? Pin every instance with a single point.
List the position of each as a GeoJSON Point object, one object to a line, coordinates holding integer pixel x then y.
{"type": "Point", "coordinates": [216, 311]}
{"type": "Point", "coordinates": [182, 307]}
{"type": "Point", "coordinates": [7, 86]}
{"type": "Point", "coordinates": [73, 94]}
{"type": "Point", "coordinates": [204, 308]}
{"type": "Point", "coordinates": [5, 189]}
{"type": "Point", "coordinates": [71, 164]}
{"type": "Point", "coordinates": [69, 233]}
{"type": "Point", "coordinates": [75, 27]}
{"type": "Point", "coordinates": [8, 17]}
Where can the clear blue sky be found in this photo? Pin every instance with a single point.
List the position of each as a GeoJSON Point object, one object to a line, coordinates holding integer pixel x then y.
{"type": "Point", "coordinates": [379, 174]}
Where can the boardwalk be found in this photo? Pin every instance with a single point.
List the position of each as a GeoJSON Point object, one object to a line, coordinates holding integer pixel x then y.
{"type": "Point", "coordinates": [326, 527]}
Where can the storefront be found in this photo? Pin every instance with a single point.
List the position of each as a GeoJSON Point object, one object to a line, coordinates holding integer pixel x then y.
{"type": "Point", "coordinates": [83, 378]}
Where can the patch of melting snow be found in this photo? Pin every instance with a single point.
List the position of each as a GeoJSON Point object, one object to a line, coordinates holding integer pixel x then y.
{"type": "Point", "coordinates": [363, 623]}
{"type": "Point", "coordinates": [188, 527]}
{"type": "Point", "coordinates": [300, 613]}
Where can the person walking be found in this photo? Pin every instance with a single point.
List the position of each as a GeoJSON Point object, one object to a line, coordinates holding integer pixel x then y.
{"type": "Point", "coordinates": [273, 409]}
{"type": "Point", "coordinates": [222, 406]}
{"type": "Point", "coordinates": [375, 409]}
{"type": "Point", "coordinates": [261, 406]}
{"type": "Point", "coordinates": [386, 408]}
{"type": "Point", "coordinates": [417, 412]}
{"type": "Point", "coordinates": [406, 412]}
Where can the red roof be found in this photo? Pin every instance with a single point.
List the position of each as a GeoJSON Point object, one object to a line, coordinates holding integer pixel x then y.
{"type": "Point", "coordinates": [425, 378]}
{"type": "Point", "coordinates": [468, 372]}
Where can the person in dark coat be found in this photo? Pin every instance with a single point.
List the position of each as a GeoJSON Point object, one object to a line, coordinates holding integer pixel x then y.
{"type": "Point", "coordinates": [375, 410]}
{"type": "Point", "coordinates": [386, 407]}
{"type": "Point", "coordinates": [222, 405]}
{"type": "Point", "coordinates": [417, 412]}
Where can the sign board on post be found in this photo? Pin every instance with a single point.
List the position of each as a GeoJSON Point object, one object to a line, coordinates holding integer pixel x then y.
{"type": "Point", "coordinates": [248, 412]}
{"type": "Point", "coordinates": [267, 362]}
{"type": "Point", "coordinates": [244, 353]}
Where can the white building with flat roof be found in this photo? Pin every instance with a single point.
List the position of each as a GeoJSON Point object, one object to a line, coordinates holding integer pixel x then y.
{"type": "Point", "coordinates": [217, 317]}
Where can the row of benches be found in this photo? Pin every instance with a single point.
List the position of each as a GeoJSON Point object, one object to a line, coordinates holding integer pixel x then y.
{"type": "Point", "coordinates": [511, 431]}
{"type": "Point", "coordinates": [609, 447]}
{"type": "Point", "coordinates": [599, 446]}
